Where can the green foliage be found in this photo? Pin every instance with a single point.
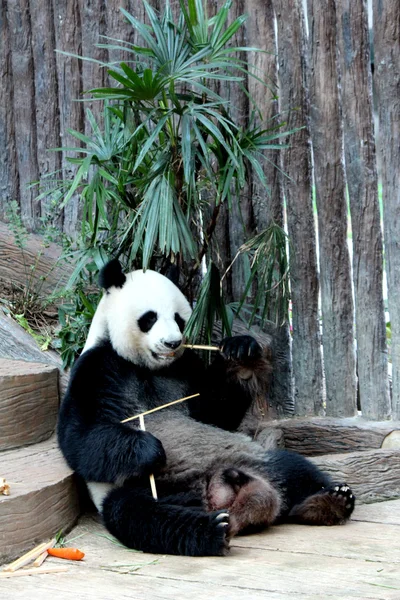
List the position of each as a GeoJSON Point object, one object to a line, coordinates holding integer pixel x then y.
{"type": "Point", "coordinates": [270, 272]}
{"type": "Point", "coordinates": [75, 315]}
{"type": "Point", "coordinates": [210, 305]}
{"type": "Point", "coordinates": [165, 154]}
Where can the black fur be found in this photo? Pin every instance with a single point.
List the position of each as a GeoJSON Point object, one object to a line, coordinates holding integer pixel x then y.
{"type": "Point", "coordinates": [166, 526]}
{"type": "Point", "coordinates": [181, 323]}
{"type": "Point", "coordinates": [147, 321]}
{"type": "Point", "coordinates": [111, 275]}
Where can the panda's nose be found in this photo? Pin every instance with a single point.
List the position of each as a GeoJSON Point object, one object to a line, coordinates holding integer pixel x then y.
{"type": "Point", "coordinates": [174, 344]}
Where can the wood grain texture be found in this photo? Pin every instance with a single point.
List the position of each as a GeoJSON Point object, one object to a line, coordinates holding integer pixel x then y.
{"type": "Point", "coordinates": [294, 102]}
{"type": "Point", "coordinates": [362, 181]}
{"type": "Point", "coordinates": [268, 206]}
{"type": "Point", "coordinates": [355, 561]}
{"type": "Point", "coordinates": [47, 112]}
{"type": "Point", "coordinates": [373, 475]}
{"type": "Point", "coordinates": [28, 402]}
{"type": "Point", "coordinates": [68, 38]}
{"type": "Point", "coordinates": [16, 343]}
{"type": "Point", "coordinates": [8, 156]}
{"type": "Point", "coordinates": [24, 108]}
{"type": "Point", "coordinates": [387, 85]}
{"type": "Point", "coordinates": [335, 277]}
{"type": "Point", "coordinates": [313, 437]}
{"type": "Point", "coordinates": [42, 500]}
{"type": "Point", "coordinates": [16, 265]}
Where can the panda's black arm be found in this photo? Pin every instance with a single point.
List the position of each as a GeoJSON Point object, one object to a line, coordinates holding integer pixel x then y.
{"type": "Point", "coordinates": [93, 440]}
{"type": "Point", "coordinates": [109, 452]}
{"type": "Point", "coordinates": [231, 383]}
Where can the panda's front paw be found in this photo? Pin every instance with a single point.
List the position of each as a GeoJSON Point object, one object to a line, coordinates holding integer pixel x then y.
{"type": "Point", "coordinates": [240, 348]}
{"type": "Point", "coordinates": [150, 453]}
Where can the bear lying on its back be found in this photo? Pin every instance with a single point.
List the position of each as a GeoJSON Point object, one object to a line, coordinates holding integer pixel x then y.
{"type": "Point", "coordinates": [212, 482]}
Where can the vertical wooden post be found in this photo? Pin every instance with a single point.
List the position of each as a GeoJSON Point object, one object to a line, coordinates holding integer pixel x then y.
{"type": "Point", "coordinates": [386, 27]}
{"type": "Point", "coordinates": [46, 94]}
{"type": "Point", "coordinates": [23, 106]}
{"type": "Point", "coordinates": [68, 38]}
{"type": "Point", "coordinates": [268, 207]}
{"type": "Point", "coordinates": [359, 143]}
{"type": "Point", "coordinates": [335, 277]}
{"type": "Point", "coordinates": [8, 157]}
{"type": "Point", "coordinates": [294, 103]}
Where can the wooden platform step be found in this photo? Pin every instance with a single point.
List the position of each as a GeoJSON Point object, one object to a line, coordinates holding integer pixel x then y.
{"type": "Point", "coordinates": [43, 497]}
{"type": "Point", "coordinates": [28, 402]}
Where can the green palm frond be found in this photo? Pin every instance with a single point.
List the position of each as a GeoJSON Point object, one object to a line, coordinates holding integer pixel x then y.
{"type": "Point", "coordinates": [269, 269]}
{"type": "Point", "coordinates": [209, 307]}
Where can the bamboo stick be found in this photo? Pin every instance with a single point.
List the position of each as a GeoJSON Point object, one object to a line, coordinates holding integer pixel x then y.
{"type": "Point", "coordinates": [29, 556]}
{"type": "Point", "coordinates": [152, 480]}
{"type": "Point", "coordinates": [143, 414]}
{"type": "Point", "coordinates": [34, 571]}
{"type": "Point", "coordinates": [201, 347]}
{"type": "Point", "coordinates": [40, 559]}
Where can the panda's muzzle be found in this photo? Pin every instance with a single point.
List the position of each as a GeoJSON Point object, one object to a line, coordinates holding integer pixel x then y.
{"type": "Point", "coordinates": [171, 346]}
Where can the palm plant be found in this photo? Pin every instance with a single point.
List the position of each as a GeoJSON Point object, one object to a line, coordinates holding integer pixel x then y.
{"type": "Point", "coordinates": [154, 176]}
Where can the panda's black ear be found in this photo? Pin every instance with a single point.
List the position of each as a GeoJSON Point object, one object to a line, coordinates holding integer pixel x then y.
{"type": "Point", "coordinates": [111, 275]}
{"type": "Point", "coordinates": [172, 272]}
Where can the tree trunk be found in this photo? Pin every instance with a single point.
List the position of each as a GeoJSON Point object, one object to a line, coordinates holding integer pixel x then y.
{"type": "Point", "coordinates": [362, 182]}
{"type": "Point", "coordinates": [387, 76]}
{"type": "Point", "coordinates": [327, 138]}
{"type": "Point", "coordinates": [307, 360]}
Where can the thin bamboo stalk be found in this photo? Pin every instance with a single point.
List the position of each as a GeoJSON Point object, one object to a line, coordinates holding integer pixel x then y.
{"type": "Point", "coordinates": [34, 571]}
{"type": "Point", "coordinates": [158, 408]}
{"type": "Point", "coordinates": [152, 480]}
{"type": "Point", "coordinates": [201, 347]}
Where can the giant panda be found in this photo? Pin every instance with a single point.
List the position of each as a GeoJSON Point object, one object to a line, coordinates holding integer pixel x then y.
{"type": "Point", "coordinates": [212, 481]}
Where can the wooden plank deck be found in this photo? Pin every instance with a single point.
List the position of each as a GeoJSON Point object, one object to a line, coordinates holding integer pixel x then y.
{"type": "Point", "coordinates": [358, 560]}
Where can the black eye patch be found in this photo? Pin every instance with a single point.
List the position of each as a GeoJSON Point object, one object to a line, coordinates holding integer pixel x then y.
{"type": "Point", "coordinates": [180, 322]}
{"type": "Point", "coordinates": [147, 321]}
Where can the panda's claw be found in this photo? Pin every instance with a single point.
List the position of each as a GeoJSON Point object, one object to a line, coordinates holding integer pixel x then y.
{"type": "Point", "coordinates": [221, 516]}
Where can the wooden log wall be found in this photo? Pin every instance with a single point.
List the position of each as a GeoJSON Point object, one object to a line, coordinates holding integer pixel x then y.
{"type": "Point", "coordinates": [336, 349]}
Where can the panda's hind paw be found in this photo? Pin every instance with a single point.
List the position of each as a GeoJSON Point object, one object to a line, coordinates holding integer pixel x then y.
{"type": "Point", "coordinates": [343, 496]}
{"type": "Point", "coordinates": [332, 505]}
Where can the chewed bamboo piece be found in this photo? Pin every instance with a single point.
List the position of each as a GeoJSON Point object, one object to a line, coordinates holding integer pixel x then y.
{"type": "Point", "coordinates": [152, 480]}
{"type": "Point", "coordinates": [29, 556]}
{"type": "Point", "coordinates": [4, 487]}
{"type": "Point", "coordinates": [201, 347]}
{"type": "Point", "coordinates": [40, 559]}
{"type": "Point", "coordinates": [141, 416]}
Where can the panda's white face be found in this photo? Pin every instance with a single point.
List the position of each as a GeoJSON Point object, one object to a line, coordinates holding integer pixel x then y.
{"type": "Point", "coordinates": [145, 319]}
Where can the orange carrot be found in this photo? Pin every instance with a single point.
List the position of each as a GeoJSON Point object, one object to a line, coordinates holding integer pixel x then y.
{"type": "Point", "coordinates": [68, 553]}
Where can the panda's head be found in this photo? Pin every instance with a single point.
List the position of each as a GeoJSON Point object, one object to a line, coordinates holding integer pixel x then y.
{"type": "Point", "coordinates": [143, 314]}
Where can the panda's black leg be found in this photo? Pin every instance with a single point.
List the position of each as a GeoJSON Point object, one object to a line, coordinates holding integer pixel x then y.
{"type": "Point", "coordinates": [142, 523]}
{"type": "Point", "coordinates": [188, 499]}
{"type": "Point", "coordinates": [331, 506]}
